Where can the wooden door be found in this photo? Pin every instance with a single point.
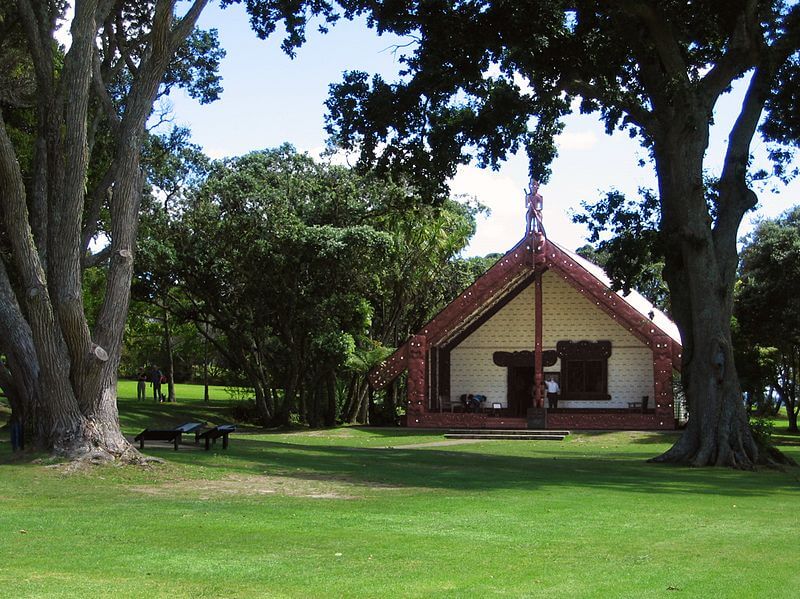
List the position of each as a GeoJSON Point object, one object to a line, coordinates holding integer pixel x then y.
{"type": "Point", "coordinates": [520, 390]}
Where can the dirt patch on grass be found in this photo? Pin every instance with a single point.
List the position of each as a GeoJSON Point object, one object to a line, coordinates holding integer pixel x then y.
{"type": "Point", "coordinates": [444, 443]}
{"type": "Point", "coordinates": [616, 438]}
{"type": "Point", "coordinates": [308, 486]}
{"type": "Point", "coordinates": [328, 434]}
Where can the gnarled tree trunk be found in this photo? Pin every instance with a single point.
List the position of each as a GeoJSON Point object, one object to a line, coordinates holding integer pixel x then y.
{"type": "Point", "coordinates": [700, 269]}
{"type": "Point", "coordinates": [64, 373]}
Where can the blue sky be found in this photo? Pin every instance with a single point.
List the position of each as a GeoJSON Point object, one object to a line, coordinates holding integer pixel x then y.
{"type": "Point", "coordinates": [270, 99]}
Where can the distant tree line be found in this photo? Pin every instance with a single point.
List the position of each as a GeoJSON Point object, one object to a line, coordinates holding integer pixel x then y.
{"type": "Point", "coordinates": [299, 276]}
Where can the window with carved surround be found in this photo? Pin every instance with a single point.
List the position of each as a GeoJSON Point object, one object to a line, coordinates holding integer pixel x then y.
{"type": "Point", "coordinates": [584, 370]}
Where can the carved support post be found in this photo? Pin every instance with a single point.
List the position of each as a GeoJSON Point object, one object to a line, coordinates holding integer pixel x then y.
{"type": "Point", "coordinates": [662, 382]}
{"type": "Point", "coordinates": [417, 387]}
{"type": "Point", "coordinates": [538, 375]}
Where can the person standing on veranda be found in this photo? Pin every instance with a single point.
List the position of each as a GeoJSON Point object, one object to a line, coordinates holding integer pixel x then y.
{"type": "Point", "coordinates": [552, 392]}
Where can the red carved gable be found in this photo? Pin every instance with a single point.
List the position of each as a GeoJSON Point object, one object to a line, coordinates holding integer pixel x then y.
{"type": "Point", "coordinates": [502, 278]}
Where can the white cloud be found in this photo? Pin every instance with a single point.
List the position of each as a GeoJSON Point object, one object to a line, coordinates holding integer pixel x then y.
{"type": "Point", "coordinates": [62, 33]}
{"type": "Point", "coordinates": [577, 140]}
{"type": "Point", "coordinates": [338, 158]}
{"type": "Point", "coordinates": [506, 200]}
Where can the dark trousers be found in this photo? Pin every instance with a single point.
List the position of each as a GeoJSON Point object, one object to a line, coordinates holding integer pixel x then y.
{"type": "Point", "coordinates": [17, 436]}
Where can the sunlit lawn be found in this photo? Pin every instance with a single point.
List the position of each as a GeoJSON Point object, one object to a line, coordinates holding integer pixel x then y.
{"type": "Point", "coordinates": [357, 512]}
{"type": "Point", "coordinates": [183, 392]}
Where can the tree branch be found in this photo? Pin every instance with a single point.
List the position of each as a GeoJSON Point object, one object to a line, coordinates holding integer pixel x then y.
{"type": "Point", "coordinates": [186, 24]}
{"type": "Point", "coordinates": [64, 265]}
{"type": "Point", "coordinates": [92, 260]}
{"type": "Point", "coordinates": [637, 114]}
{"type": "Point", "coordinates": [101, 192]}
{"type": "Point", "coordinates": [735, 196]}
{"type": "Point", "coordinates": [38, 43]}
{"type": "Point", "coordinates": [742, 53]}
{"type": "Point", "coordinates": [660, 32]}
{"type": "Point", "coordinates": [99, 87]}
{"type": "Point", "coordinates": [15, 214]}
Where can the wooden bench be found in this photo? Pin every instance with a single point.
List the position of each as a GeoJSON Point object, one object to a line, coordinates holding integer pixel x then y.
{"type": "Point", "coordinates": [190, 427]}
{"type": "Point", "coordinates": [174, 435]}
{"type": "Point", "coordinates": [212, 434]}
{"type": "Point", "coordinates": [150, 434]}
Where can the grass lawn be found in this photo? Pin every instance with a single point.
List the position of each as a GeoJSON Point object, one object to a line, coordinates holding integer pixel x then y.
{"type": "Point", "coordinates": [357, 512]}
{"type": "Point", "coordinates": [183, 392]}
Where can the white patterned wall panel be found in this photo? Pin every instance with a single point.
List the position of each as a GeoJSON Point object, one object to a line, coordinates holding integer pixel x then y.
{"type": "Point", "coordinates": [568, 315]}
{"type": "Point", "coordinates": [472, 371]}
{"type": "Point", "coordinates": [511, 327]}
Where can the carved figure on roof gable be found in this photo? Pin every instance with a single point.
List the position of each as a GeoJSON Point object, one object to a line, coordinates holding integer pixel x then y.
{"type": "Point", "coordinates": [533, 203]}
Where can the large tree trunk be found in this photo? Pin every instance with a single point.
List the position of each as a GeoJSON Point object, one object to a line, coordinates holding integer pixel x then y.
{"type": "Point", "coordinates": [700, 270]}
{"type": "Point", "coordinates": [351, 398]}
{"type": "Point", "coordinates": [791, 413]}
{"type": "Point", "coordinates": [263, 397]}
{"type": "Point", "coordinates": [786, 393]}
{"type": "Point", "coordinates": [65, 375]}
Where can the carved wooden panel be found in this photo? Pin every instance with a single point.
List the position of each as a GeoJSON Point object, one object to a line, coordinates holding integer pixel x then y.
{"type": "Point", "coordinates": [417, 387]}
{"type": "Point", "coordinates": [509, 359]}
{"type": "Point", "coordinates": [584, 350]}
{"type": "Point", "coordinates": [389, 369]}
{"type": "Point", "coordinates": [584, 370]}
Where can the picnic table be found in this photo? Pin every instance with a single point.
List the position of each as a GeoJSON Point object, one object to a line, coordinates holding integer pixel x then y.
{"type": "Point", "coordinates": [174, 435]}
{"type": "Point", "coordinates": [211, 435]}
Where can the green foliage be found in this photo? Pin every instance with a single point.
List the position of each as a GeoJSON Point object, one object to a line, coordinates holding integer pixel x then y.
{"type": "Point", "coordinates": [195, 67]}
{"type": "Point", "coordinates": [762, 429]}
{"type": "Point", "coordinates": [94, 287]}
{"type": "Point", "coordinates": [299, 271]}
{"type": "Point", "coordinates": [627, 243]}
{"type": "Point", "coordinates": [274, 252]}
{"type": "Point", "coordinates": [767, 309]}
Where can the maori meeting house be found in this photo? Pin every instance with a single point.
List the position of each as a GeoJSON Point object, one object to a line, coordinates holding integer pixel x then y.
{"type": "Point", "coordinates": [541, 313]}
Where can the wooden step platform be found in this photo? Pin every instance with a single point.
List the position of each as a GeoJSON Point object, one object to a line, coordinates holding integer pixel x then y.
{"type": "Point", "coordinates": [507, 434]}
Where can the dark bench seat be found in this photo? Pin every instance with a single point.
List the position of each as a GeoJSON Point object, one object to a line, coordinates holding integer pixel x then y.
{"type": "Point", "coordinates": [174, 435]}
{"type": "Point", "coordinates": [212, 434]}
{"type": "Point", "coordinates": [190, 427]}
{"type": "Point", "coordinates": [150, 434]}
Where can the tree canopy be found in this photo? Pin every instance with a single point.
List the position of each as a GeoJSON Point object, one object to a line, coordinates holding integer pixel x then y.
{"type": "Point", "coordinates": [72, 126]}
{"type": "Point", "coordinates": [480, 79]}
{"type": "Point", "coordinates": [768, 305]}
{"type": "Point", "coordinates": [307, 274]}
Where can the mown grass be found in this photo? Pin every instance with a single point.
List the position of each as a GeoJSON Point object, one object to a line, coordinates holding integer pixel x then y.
{"type": "Point", "coordinates": [126, 389]}
{"type": "Point", "coordinates": [357, 512]}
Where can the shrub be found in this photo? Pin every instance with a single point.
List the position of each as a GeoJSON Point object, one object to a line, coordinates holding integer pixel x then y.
{"type": "Point", "coordinates": [245, 411]}
{"type": "Point", "coordinates": [762, 429]}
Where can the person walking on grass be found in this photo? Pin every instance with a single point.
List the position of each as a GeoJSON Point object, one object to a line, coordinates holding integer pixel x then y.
{"type": "Point", "coordinates": [155, 380]}
{"type": "Point", "coordinates": [141, 385]}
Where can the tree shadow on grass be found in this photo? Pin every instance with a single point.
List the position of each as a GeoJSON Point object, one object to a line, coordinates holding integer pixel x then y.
{"type": "Point", "coordinates": [786, 439]}
{"type": "Point", "coordinates": [473, 471]}
{"type": "Point", "coordinates": [149, 414]}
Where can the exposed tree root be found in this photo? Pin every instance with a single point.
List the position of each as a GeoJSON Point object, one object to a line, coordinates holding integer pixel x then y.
{"type": "Point", "coordinates": [740, 456]}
